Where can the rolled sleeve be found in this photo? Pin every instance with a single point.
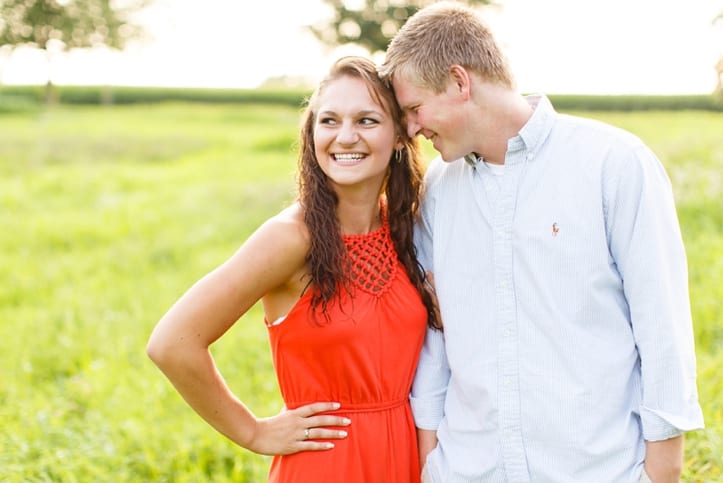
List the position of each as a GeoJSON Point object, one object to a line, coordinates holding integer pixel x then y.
{"type": "Point", "coordinates": [658, 427]}
{"type": "Point", "coordinates": [647, 246]}
{"type": "Point", "coordinates": [429, 390]}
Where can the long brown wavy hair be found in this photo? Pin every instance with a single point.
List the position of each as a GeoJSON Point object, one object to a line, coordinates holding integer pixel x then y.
{"type": "Point", "coordinates": [327, 258]}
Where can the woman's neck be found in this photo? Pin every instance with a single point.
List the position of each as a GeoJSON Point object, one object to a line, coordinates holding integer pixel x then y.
{"type": "Point", "coordinates": [359, 217]}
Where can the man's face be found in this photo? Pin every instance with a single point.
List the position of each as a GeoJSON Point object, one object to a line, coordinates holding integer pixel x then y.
{"type": "Point", "coordinates": [438, 116]}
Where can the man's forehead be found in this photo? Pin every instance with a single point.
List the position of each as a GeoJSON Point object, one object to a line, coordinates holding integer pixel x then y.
{"type": "Point", "coordinates": [405, 91]}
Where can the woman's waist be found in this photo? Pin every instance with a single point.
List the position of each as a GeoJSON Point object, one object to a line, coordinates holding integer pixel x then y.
{"type": "Point", "coordinates": [355, 406]}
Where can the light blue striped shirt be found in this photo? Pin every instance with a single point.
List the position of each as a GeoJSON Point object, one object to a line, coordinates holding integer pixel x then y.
{"type": "Point", "coordinates": [562, 284]}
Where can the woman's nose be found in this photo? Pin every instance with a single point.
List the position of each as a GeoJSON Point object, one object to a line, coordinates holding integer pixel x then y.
{"type": "Point", "coordinates": [347, 134]}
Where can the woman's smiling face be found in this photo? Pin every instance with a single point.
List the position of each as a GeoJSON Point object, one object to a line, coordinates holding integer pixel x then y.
{"type": "Point", "coordinates": [354, 135]}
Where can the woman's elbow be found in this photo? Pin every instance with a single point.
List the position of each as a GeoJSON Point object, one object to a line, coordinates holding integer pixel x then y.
{"type": "Point", "coordinates": [171, 350]}
{"type": "Point", "coordinates": [159, 350]}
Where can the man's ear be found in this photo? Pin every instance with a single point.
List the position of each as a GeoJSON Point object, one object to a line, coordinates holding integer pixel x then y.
{"type": "Point", "coordinates": [461, 78]}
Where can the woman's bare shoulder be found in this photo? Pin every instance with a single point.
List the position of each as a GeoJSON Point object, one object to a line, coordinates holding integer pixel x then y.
{"type": "Point", "coordinates": [289, 225]}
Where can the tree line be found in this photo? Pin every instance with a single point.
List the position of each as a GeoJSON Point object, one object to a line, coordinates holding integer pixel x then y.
{"type": "Point", "coordinates": [56, 26]}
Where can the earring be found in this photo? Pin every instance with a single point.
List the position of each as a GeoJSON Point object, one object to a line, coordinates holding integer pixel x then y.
{"type": "Point", "coordinates": [398, 155]}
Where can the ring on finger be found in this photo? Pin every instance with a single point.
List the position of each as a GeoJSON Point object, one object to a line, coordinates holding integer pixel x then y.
{"type": "Point", "coordinates": [306, 433]}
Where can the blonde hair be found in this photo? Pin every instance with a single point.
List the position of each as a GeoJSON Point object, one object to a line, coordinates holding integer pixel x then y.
{"type": "Point", "coordinates": [439, 36]}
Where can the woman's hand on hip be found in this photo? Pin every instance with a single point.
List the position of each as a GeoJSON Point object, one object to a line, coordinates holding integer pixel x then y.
{"type": "Point", "coordinates": [300, 429]}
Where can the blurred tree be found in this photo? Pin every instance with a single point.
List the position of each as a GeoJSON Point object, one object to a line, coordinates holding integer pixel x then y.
{"type": "Point", "coordinates": [369, 23]}
{"type": "Point", "coordinates": [62, 25]}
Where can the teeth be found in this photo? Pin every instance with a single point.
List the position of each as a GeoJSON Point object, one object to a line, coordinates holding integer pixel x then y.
{"type": "Point", "coordinates": [348, 156]}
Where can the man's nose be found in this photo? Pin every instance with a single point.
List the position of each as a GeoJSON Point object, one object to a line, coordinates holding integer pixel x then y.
{"type": "Point", "coordinates": [413, 128]}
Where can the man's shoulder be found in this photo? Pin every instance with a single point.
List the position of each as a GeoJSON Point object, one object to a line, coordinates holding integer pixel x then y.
{"type": "Point", "coordinates": [614, 147]}
{"type": "Point", "coordinates": [439, 171]}
{"type": "Point", "coordinates": [588, 129]}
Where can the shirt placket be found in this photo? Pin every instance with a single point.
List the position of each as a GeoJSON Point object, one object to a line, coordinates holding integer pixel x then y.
{"type": "Point", "coordinates": [512, 449]}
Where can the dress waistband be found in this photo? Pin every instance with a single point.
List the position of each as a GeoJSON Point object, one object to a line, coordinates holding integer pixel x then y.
{"type": "Point", "coordinates": [349, 407]}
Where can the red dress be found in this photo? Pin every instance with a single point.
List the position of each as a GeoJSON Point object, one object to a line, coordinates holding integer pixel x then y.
{"type": "Point", "coordinates": [363, 358]}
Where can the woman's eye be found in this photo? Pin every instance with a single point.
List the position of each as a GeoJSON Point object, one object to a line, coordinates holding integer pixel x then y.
{"type": "Point", "coordinates": [327, 120]}
{"type": "Point", "coordinates": [367, 121]}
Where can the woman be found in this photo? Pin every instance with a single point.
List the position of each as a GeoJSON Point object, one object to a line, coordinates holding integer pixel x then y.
{"type": "Point", "coordinates": [345, 302]}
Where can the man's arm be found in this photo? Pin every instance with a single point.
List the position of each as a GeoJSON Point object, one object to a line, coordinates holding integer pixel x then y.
{"type": "Point", "coordinates": [429, 388]}
{"type": "Point", "coordinates": [646, 243]}
{"type": "Point", "coordinates": [427, 441]}
{"type": "Point", "coordinates": [663, 459]}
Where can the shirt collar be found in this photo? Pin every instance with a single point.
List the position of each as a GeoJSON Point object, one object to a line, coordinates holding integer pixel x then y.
{"type": "Point", "coordinates": [473, 159]}
{"type": "Point", "coordinates": [538, 127]}
{"type": "Point", "coordinates": [533, 133]}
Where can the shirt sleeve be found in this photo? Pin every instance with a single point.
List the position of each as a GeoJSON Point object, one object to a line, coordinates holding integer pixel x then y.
{"type": "Point", "coordinates": [429, 388]}
{"type": "Point", "coordinates": [647, 247]}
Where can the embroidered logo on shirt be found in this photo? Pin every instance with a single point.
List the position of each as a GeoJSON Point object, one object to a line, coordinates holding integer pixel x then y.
{"type": "Point", "coordinates": [555, 229]}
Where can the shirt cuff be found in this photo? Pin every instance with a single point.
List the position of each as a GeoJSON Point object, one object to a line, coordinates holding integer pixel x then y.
{"type": "Point", "coordinates": [428, 413]}
{"type": "Point", "coordinates": [659, 425]}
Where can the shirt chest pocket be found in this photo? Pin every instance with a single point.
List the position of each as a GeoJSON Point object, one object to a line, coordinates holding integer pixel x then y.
{"type": "Point", "coordinates": [563, 245]}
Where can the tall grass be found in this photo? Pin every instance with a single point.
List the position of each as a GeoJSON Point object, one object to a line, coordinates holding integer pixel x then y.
{"type": "Point", "coordinates": [107, 214]}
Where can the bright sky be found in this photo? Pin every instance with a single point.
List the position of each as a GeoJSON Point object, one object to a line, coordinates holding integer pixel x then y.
{"type": "Point", "coordinates": [554, 46]}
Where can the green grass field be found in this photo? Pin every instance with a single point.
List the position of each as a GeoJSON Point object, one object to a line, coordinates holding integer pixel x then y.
{"type": "Point", "coordinates": [107, 214]}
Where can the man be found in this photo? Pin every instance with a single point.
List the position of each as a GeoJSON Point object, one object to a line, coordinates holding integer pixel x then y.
{"type": "Point", "coordinates": [567, 352]}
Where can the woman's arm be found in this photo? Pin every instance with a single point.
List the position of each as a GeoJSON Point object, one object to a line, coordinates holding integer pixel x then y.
{"type": "Point", "coordinates": [179, 344]}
